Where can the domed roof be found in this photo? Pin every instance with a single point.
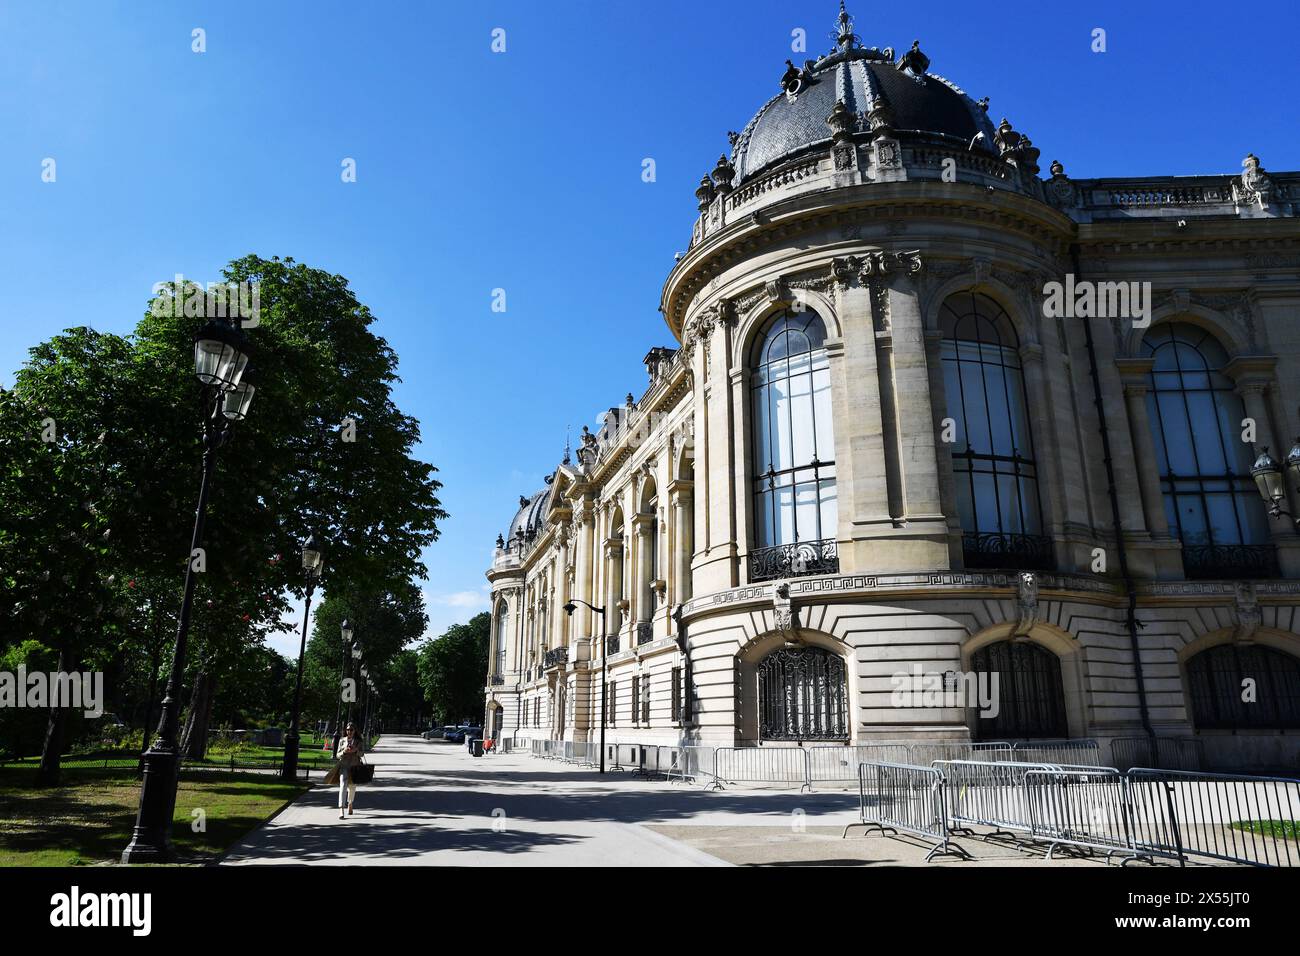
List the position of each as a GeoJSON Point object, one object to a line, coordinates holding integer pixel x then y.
{"type": "Point", "coordinates": [530, 516]}
{"type": "Point", "coordinates": [913, 102]}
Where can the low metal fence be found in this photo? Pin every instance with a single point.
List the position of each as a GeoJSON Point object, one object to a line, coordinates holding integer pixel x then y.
{"type": "Point", "coordinates": [1080, 752]}
{"type": "Point", "coordinates": [758, 766]}
{"type": "Point", "coordinates": [894, 797]}
{"type": "Point", "coordinates": [1162, 753]}
{"type": "Point", "coordinates": [838, 764]}
{"type": "Point", "coordinates": [688, 764]}
{"type": "Point", "coordinates": [988, 793]}
{"type": "Point", "coordinates": [1082, 808]}
{"type": "Point", "coordinates": [1217, 816]}
{"type": "Point", "coordinates": [926, 753]}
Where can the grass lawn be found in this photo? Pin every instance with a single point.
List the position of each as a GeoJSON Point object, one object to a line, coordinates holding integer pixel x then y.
{"type": "Point", "coordinates": [1283, 829]}
{"type": "Point", "coordinates": [88, 819]}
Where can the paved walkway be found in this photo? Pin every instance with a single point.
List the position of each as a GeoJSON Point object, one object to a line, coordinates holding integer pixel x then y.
{"type": "Point", "coordinates": [434, 804]}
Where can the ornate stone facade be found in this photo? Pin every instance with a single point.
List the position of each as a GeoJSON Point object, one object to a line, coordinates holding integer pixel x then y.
{"type": "Point", "coordinates": [902, 196]}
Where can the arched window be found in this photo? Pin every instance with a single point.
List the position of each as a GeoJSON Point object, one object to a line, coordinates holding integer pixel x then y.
{"type": "Point", "coordinates": [1217, 682]}
{"type": "Point", "coordinates": [1031, 702]}
{"type": "Point", "coordinates": [503, 623]}
{"type": "Point", "coordinates": [1210, 500]}
{"type": "Point", "coordinates": [802, 695]}
{"type": "Point", "coordinates": [994, 473]}
{"type": "Point", "coordinates": [793, 450]}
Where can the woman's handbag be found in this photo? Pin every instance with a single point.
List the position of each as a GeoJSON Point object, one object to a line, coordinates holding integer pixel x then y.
{"type": "Point", "coordinates": [363, 772]}
{"type": "Point", "coordinates": [332, 777]}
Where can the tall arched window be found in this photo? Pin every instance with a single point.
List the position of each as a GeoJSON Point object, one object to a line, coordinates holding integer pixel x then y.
{"type": "Point", "coordinates": [503, 624]}
{"type": "Point", "coordinates": [994, 473]}
{"type": "Point", "coordinates": [1210, 500]}
{"type": "Point", "coordinates": [1031, 701]}
{"type": "Point", "coordinates": [1216, 678]}
{"type": "Point", "coordinates": [793, 454]}
{"type": "Point", "coordinates": [802, 695]}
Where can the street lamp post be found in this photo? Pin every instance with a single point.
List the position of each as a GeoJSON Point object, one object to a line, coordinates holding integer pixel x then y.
{"type": "Point", "coordinates": [345, 629]}
{"type": "Point", "coordinates": [604, 667]}
{"type": "Point", "coordinates": [1271, 483]}
{"type": "Point", "coordinates": [220, 364]}
{"type": "Point", "coordinates": [311, 566]}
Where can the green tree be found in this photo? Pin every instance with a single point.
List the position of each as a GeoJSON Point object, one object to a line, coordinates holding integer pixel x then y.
{"type": "Point", "coordinates": [452, 669]}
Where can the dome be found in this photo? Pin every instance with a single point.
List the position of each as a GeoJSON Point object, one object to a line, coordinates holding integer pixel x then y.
{"type": "Point", "coordinates": [912, 102]}
{"type": "Point", "coordinates": [530, 516]}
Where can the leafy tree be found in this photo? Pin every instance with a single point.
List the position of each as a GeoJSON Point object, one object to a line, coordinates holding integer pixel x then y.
{"type": "Point", "coordinates": [452, 668]}
{"type": "Point", "coordinates": [324, 450]}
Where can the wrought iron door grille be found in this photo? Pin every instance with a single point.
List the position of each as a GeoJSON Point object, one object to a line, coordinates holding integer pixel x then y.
{"type": "Point", "coordinates": [1031, 701]}
{"type": "Point", "coordinates": [794, 560]}
{"type": "Point", "coordinates": [802, 695]}
{"type": "Point", "coordinates": [987, 550]}
{"type": "Point", "coordinates": [1213, 561]}
{"type": "Point", "coordinates": [1215, 678]}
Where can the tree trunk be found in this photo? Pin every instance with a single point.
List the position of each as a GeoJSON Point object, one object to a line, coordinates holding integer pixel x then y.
{"type": "Point", "coordinates": [47, 775]}
{"type": "Point", "coordinates": [194, 741]}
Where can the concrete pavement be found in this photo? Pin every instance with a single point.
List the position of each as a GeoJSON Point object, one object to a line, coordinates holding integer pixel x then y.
{"type": "Point", "coordinates": [434, 804]}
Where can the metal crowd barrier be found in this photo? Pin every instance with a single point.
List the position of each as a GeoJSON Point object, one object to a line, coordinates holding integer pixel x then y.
{"type": "Point", "coordinates": [1083, 753]}
{"type": "Point", "coordinates": [1231, 817]}
{"type": "Point", "coordinates": [894, 797]}
{"type": "Point", "coordinates": [839, 764]}
{"type": "Point", "coordinates": [989, 794]}
{"type": "Point", "coordinates": [1164, 753]}
{"type": "Point", "coordinates": [925, 754]}
{"type": "Point", "coordinates": [688, 764]}
{"type": "Point", "coordinates": [1082, 807]}
{"type": "Point", "coordinates": [760, 765]}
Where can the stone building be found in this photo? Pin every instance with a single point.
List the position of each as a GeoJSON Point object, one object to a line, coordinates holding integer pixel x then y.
{"type": "Point", "coordinates": [931, 412]}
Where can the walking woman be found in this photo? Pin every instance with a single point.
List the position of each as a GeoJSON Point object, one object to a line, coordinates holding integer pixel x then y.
{"type": "Point", "coordinates": [349, 755]}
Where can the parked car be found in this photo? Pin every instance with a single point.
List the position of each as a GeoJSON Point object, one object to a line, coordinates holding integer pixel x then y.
{"type": "Point", "coordinates": [434, 733]}
{"type": "Point", "coordinates": [453, 734]}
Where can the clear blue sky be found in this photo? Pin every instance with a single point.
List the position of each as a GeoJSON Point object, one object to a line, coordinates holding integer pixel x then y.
{"type": "Point", "coordinates": [519, 170]}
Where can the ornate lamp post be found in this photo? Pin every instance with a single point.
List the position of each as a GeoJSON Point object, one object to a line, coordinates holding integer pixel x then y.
{"type": "Point", "coordinates": [1271, 483]}
{"type": "Point", "coordinates": [345, 629]}
{"type": "Point", "coordinates": [604, 667]}
{"type": "Point", "coordinates": [311, 567]}
{"type": "Point", "coordinates": [221, 366]}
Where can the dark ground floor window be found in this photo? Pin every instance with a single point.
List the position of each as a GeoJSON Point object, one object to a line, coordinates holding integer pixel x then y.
{"type": "Point", "coordinates": [1240, 687]}
{"type": "Point", "coordinates": [1031, 701]}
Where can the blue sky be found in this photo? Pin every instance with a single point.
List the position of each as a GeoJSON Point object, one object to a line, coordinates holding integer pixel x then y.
{"type": "Point", "coordinates": [519, 170]}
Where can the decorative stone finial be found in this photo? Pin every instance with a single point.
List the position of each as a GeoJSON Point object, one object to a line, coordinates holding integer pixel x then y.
{"type": "Point", "coordinates": [723, 174]}
{"type": "Point", "coordinates": [840, 121]}
{"type": "Point", "coordinates": [845, 38]}
{"type": "Point", "coordinates": [983, 103]}
{"type": "Point", "coordinates": [523, 501]}
{"type": "Point", "coordinates": [705, 192]}
{"type": "Point", "coordinates": [501, 543]}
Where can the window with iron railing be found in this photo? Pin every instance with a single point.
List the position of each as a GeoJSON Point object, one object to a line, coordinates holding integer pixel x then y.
{"type": "Point", "coordinates": [676, 705]}
{"type": "Point", "coordinates": [636, 699]}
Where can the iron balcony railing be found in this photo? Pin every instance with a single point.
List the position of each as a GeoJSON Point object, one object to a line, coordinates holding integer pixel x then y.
{"type": "Point", "coordinates": [990, 550]}
{"type": "Point", "coordinates": [496, 680]}
{"type": "Point", "coordinates": [1215, 561]}
{"type": "Point", "coordinates": [611, 644]}
{"type": "Point", "coordinates": [795, 560]}
{"type": "Point", "coordinates": [645, 633]}
{"type": "Point", "coordinates": [555, 657]}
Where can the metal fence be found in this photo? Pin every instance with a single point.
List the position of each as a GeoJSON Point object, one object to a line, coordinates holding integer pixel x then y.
{"type": "Point", "coordinates": [1079, 752]}
{"type": "Point", "coordinates": [894, 797]}
{"type": "Point", "coordinates": [988, 793]}
{"type": "Point", "coordinates": [839, 764]}
{"type": "Point", "coordinates": [1163, 753]}
{"type": "Point", "coordinates": [760, 766]}
{"type": "Point", "coordinates": [1082, 808]}
{"type": "Point", "coordinates": [1231, 817]}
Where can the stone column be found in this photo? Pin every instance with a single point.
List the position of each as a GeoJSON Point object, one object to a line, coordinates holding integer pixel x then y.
{"type": "Point", "coordinates": [614, 582]}
{"type": "Point", "coordinates": [683, 524]}
{"type": "Point", "coordinates": [1135, 374]}
{"type": "Point", "coordinates": [583, 578]}
{"type": "Point", "coordinates": [643, 528]}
